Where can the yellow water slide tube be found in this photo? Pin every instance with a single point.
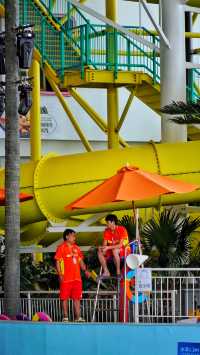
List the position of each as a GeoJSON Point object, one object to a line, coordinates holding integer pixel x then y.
{"type": "Point", "coordinates": [56, 181]}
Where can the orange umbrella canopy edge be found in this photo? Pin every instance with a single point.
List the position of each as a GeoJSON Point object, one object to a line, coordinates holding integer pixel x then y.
{"type": "Point", "coordinates": [131, 184]}
{"type": "Point", "coordinates": [22, 197]}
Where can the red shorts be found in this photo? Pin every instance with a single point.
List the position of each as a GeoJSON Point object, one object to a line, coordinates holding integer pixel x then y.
{"type": "Point", "coordinates": [71, 289]}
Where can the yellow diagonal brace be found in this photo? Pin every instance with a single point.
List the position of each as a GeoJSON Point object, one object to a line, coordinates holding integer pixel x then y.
{"type": "Point", "coordinates": [126, 108]}
{"type": "Point", "coordinates": [70, 115]}
{"type": "Point", "coordinates": [45, 12]}
{"type": "Point", "coordinates": [194, 18]}
{"type": "Point", "coordinates": [92, 113]}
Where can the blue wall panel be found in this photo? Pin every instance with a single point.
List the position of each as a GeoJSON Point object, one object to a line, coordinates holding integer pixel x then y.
{"type": "Point", "coordinates": [24, 338]}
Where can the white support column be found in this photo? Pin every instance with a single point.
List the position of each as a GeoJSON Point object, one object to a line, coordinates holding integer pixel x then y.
{"type": "Point", "coordinates": [173, 71]}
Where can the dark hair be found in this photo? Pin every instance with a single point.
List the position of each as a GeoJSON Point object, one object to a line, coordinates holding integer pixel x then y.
{"type": "Point", "coordinates": [67, 232]}
{"type": "Point", "coordinates": [111, 218]}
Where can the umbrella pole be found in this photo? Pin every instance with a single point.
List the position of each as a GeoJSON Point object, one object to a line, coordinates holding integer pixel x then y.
{"type": "Point", "coordinates": [137, 234]}
{"type": "Point", "coordinates": [137, 231]}
{"type": "Point", "coordinates": [125, 303]}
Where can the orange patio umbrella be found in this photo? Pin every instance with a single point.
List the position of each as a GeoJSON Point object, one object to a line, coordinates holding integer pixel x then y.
{"type": "Point", "coordinates": [22, 197]}
{"type": "Point", "coordinates": [130, 184]}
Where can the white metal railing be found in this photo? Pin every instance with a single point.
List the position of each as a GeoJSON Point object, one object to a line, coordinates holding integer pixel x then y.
{"type": "Point", "coordinates": [175, 296]}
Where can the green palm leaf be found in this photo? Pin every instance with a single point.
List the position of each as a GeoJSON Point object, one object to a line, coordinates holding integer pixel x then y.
{"type": "Point", "coordinates": [187, 113]}
{"type": "Point", "coordinates": [167, 237]}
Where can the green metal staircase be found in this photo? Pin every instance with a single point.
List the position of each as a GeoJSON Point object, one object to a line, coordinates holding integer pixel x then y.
{"type": "Point", "coordinates": [78, 44]}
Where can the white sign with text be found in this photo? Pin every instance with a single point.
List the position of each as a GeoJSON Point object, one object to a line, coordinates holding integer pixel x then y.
{"type": "Point", "coordinates": [143, 280]}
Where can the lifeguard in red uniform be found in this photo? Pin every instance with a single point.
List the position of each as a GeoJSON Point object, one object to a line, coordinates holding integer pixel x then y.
{"type": "Point", "coordinates": [115, 240]}
{"type": "Point", "coordinates": [69, 261]}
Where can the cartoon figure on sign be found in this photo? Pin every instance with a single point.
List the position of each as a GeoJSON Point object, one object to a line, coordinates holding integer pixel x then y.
{"type": "Point", "coordinates": [24, 127]}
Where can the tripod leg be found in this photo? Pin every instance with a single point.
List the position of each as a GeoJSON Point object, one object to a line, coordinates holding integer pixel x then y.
{"type": "Point", "coordinates": [148, 309]}
{"type": "Point", "coordinates": [118, 298]}
{"type": "Point", "coordinates": [97, 295]}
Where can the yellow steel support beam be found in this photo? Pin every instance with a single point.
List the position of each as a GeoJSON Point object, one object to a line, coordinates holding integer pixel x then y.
{"type": "Point", "coordinates": [126, 108]}
{"type": "Point", "coordinates": [194, 18]}
{"type": "Point", "coordinates": [192, 34]}
{"type": "Point", "coordinates": [196, 51]}
{"type": "Point", "coordinates": [35, 122]}
{"type": "Point", "coordinates": [112, 92]}
{"type": "Point", "coordinates": [70, 115]}
{"type": "Point", "coordinates": [92, 113]}
{"type": "Point", "coordinates": [102, 78]}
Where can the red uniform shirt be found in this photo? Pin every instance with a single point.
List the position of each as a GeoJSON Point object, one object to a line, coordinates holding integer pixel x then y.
{"type": "Point", "coordinates": [115, 237]}
{"type": "Point", "coordinates": [69, 257]}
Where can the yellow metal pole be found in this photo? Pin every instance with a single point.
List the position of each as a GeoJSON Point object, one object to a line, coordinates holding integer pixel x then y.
{"type": "Point", "coordinates": [35, 122]}
{"type": "Point", "coordinates": [112, 112]}
{"type": "Point", "coordinates": [73, 120]}
{"type": "Point", "coordinates": [112, 92]}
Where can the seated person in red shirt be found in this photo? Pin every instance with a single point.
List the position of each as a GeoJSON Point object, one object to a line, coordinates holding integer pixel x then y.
{"type": "Point", "coordinates": [115, 239]}
{"type": "Point", "coordinates": [69, 261]}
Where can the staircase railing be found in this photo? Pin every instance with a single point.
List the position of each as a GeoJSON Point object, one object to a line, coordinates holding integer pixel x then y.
{"type": "Point", "coordinates": [108, 49]}
{"type": "Point", "coordinates": [55, 45]}
{"type": "Point", "coordinates": [79, 43]}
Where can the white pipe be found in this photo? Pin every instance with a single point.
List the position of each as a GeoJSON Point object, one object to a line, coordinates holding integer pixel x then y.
{"type": "Point", "coordinates": [173, 68]}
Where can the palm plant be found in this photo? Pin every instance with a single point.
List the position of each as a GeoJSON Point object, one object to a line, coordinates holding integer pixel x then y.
{"type": "Point", "coordinates": [195, 256]}
{"type": "Point", "coordinates": [166, 239]}
{"type": "Point", "coordinates": [185, 113]}
{"type": "Point", "coordinates": [129, 223]}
